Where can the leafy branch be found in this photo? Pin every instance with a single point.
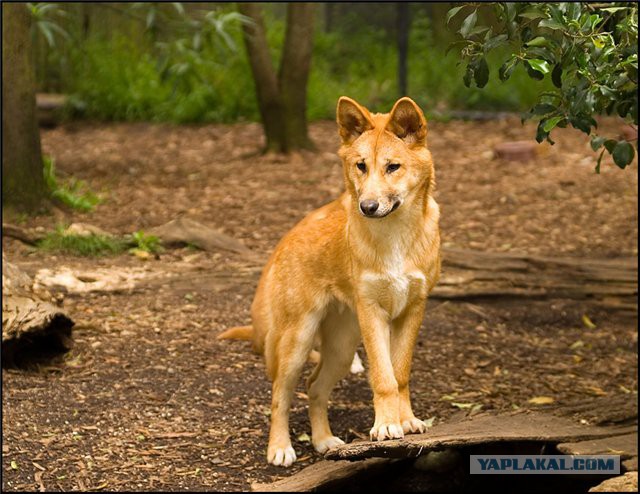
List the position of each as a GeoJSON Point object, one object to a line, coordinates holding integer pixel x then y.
{"type": "Point", "coordinates": [590, 52]}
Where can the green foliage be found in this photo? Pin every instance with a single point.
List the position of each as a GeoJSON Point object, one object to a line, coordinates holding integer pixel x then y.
{"type": "Point", "coordinates": [74, 193]}
{"type": "Point", "coordinates": [99, 245]}
{"type": "Point", "coordinates": [80, 245]}
{"type": "Point", "coordinates": [44, 20]}
{"type": "Point", "coordinates": [183, 69]}
{"type": "Point", "coordinates": [588, 52]}
{"type": "Point", "coordinates": [145, 242]}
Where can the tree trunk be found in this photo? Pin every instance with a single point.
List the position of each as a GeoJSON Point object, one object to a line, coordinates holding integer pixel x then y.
{"type": "Point", "coordinates": [23, 184]}
{"type": "Point", "coordinates": [281, 97]}
{"type": "Point", "coordinates": [403, 21]}
{"type": "Point", "coordinates": [294, 73]}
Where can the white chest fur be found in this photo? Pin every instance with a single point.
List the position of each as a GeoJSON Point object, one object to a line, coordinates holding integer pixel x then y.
{"type": "Point", "coordinates": [393, 285]}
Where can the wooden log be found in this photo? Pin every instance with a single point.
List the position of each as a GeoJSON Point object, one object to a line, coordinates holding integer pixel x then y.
{"type": "Point", "coordinates": [49, 107]}
{"type": "Point", "coordinates": [323, 475]}
{"type": "Point", "coordinates": [626, 446]}
{"type": "Point", "coordinates": [30, 322]}
{"type": "Point", "coordinates": [468, 274]}
{"type": "Point", "coordinates": [520, 427]}
{"type": "Point", "coordinates": [185, 231]}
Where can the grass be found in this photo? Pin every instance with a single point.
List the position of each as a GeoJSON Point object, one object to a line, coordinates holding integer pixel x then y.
{"type": "Point", "coordinates": [80, 245]}
{"type": "Point", "coordinates": [98, 245]}
{"type": "Point", "coordinates": [74, 193]}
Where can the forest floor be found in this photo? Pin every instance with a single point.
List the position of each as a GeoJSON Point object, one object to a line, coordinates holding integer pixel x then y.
{"type": "Point", "coordinates": [148, 399]}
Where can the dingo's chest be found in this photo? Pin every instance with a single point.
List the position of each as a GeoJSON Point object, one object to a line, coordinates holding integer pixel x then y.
{"type": "Point", "coordinates": [393, 290]}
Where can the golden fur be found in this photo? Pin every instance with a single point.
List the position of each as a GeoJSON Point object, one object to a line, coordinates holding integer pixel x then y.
{"type": "Point", "coordinates": [341, 276]}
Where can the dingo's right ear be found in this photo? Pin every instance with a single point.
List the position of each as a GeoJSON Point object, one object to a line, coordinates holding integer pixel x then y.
{"type": "Point", "coordinates": [353, 120]}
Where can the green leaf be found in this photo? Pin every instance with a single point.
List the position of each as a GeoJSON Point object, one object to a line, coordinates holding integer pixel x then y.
{"type": "Point", "coordinates": [556, 75]}
{"type": "Point", "coordinates": [583, 123]}
{"type": "Point", "coordinates": [451, 14]}
{"type": "Point", "coordinates": [494, 42]}
{"type": "Point", "coordinates": [468, 75]}
{"type": "Point", "coordinates": [551, 123]}
{"type": "Point", "coordinates": [550, 24]}
{"type": "Point", "coordinates": [506, 69]}
{"type": "Point", "coordinates": [610, 144]}
{"type": "Point", "coordinates": [478, 30]}
{"type": "Point", "coordinates": [532, 13]}
{"type": "Point", "coordinates": [481, 73]}
{"type": "Point", "coordinates": [538, 41]}
{"type": "Point", "coordinates": [539, 65]}
{"type": "Point", "coordinates": [468, 24]}
{"type": "Point", "coordinates": [613, 9]}
{"type": "Point", "coordinates": [623, 154]}
{"type": "Point", "coordinates": [597, 142]}
{"type": "Point", "coordinates": [543, 109]}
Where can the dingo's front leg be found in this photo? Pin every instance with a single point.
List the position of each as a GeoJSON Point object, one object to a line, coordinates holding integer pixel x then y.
{"type": "Point", "coordinates": [403, 339]}
{"type": "Point", "coordinates": [375, 328]}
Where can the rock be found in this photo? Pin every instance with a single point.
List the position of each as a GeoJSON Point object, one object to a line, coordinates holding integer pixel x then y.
{"type": "Point", "coordinates": [85, 230]}
{"type": "Point", "coordinates": [516, 150]}
{"type": "Point", "coordinates": [624, 483]}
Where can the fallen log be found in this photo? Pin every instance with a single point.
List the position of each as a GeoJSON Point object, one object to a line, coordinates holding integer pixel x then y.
{"type": "Point", "coordinates": [468, 274]}
{"type": "Point", "coordinates": [519, 427]}
{"type": "Point", "coordinates": [438, 460]}
{"type": "Point", "coordinates": [32, 326]}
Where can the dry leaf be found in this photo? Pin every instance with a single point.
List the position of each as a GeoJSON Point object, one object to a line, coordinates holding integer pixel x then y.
{"type": "Point", "coordinates": [541, 400]}
{"type": "Point", "coordinates": [588, 322]}
{"type": "Point", "coordinates": [462, 406]}
{"type": "Point", "coordinates": [577, 344]}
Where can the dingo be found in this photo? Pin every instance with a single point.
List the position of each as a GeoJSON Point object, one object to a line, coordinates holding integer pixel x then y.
{"type": "Point", "coordinates": [359, 267]}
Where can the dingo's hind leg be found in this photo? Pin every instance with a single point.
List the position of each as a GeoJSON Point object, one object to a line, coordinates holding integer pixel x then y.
{"type": "Point", "coordinates": [340, 337]}
{"type": "Point", "coordinates": [288, 354]}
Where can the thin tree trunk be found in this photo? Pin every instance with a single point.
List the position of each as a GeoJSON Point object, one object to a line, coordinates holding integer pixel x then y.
{"type": "Point", "coordinates": [282, 96]}
{"type": "Point", "coordinates": [294, 73]}
{"type": "Point", "coordinates": [264, 75]}
{"type": "Point", "coordinates": [403, 21]}
{"type": "Point", "coordinates": [329, 11]}
{"type": "Point", "coordinates": [23, 184]}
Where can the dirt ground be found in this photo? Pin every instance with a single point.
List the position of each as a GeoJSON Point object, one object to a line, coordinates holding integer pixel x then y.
{"type": "Point", "coordinates": [148, 399]}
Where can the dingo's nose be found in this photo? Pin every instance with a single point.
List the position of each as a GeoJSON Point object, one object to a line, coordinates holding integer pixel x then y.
{"type": "Point", "coordinates": [369, 207]}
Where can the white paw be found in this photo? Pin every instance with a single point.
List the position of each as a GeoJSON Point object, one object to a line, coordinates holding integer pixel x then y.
{"type": "Point", "coordinates": [281, 457]}
{"type": "Point", "coordinates": [414, 425]}
{"type": "Point", "coordinates": [386, 431]}
{"type": "Point", "coordinates": [327, 443]}
{"type": "Point", "coordinates": [356, 365]}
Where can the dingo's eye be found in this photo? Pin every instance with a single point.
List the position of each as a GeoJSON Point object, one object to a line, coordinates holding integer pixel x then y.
{"type": "Point", "coordinates": [392, 167]}
{"type": "Point", "coordinates": [361, 166]}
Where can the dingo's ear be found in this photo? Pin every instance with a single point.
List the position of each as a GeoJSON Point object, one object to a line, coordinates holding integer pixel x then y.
{"type": "Point", "coordinates": [353, 120]}
{"type": "Point", "coordinates": [408, 123]}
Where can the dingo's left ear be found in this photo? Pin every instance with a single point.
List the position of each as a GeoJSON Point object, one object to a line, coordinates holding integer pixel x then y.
{"type": "Point", "coordinates": [408, 123]}
{"type": "Point", "coordinates": [353, 120]}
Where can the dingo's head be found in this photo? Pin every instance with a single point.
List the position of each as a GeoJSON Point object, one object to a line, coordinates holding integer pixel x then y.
{"type": "Point", "coordinates": [385, 156]}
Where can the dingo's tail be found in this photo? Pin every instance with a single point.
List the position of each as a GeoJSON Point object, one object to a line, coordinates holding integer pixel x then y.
{"type": "Point", "coordinates": [237, 333]}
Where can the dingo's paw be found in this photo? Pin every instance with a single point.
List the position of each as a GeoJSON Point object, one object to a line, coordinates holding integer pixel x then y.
{"type": "Point", "coordinates": [414, 425]}
{"type": "Point", "coordinates": [281, 457]}
{"type": "Point", "coordinates": [327, 443]}
{"type": "Point", "coordinates": [386, 431]}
